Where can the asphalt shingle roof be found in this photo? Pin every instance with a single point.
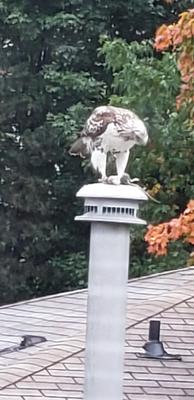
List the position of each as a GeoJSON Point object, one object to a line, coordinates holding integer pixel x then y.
{"type": "Point", "coordinates": [55, 369]}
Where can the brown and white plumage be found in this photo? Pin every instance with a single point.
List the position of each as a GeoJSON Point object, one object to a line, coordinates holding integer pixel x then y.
{"type": "Point", "coordinates": [110, 129]}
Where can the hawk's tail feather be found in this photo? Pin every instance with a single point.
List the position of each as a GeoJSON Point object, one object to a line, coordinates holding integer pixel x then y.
{"type": "Point", "coordinates": [81, 147]}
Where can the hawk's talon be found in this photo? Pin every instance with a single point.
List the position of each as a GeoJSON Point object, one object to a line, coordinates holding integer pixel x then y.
{"type": "Point", "coordinates": [113, 180]}
{"type": "Point", "coordinates": [117, 180]}
{"type": "Point", "coordinates": [110, 180]}
{"type": "Point", "coordinates": [103, 179]}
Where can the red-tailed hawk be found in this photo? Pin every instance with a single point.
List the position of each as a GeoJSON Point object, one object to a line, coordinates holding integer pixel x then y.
{"type": "Point", "coordinates": [110, 129]}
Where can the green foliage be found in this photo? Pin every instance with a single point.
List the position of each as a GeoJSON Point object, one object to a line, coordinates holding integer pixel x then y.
{"type": "Point", "coordinates": [43, 105]}
{"type": "Point", "coordinates": [176, 258]}
{"type": "Point", "coordinates": [73, 269]}
{"type": "Point", "coordinates": [149, 86]}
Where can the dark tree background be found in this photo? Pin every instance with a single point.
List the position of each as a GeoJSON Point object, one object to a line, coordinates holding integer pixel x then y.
{"type": "Point", "coordinates": [51, 77]}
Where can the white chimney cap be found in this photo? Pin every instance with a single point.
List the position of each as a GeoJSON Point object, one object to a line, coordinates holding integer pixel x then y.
{"type": "Point", "coordinates": [106, 191]}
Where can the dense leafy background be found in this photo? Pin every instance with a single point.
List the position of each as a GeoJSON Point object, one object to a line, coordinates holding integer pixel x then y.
{"type": "Point", "coordinates": [59, 59]}
{"type": "Point", "coordinates": [150, 85]}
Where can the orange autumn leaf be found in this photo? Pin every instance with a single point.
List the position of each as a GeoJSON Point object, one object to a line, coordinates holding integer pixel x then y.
{"type": "Point", "coordinates": [190, 206]}
{"type": "Point", "coordinates": [186, 78]}
{"type": "Point", "coordinates": [183, 16]}
{"type": "Point", "coordinates": [185, 61]}
{"type": "Point", "coordinates": [179, 38]}
{"type": "Point", "coordinates": [160, 235]}
{"type": "Point", "coordinates": [163, 38]}
{"type": "Point", "coordinates": [157, 238]}
{"type": "Point", "coordinates": [174, 229]}
{"type": "Point", "coordinates": [190, 240]}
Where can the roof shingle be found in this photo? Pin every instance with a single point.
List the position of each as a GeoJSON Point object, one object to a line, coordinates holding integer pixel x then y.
{"type": "Point", "coordinates": [55, 369]}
